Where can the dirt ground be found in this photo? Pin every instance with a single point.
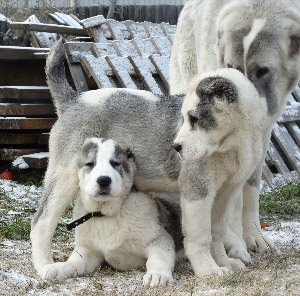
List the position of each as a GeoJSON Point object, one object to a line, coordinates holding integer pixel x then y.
{"type": "Point", "coordinates": [276, 273]}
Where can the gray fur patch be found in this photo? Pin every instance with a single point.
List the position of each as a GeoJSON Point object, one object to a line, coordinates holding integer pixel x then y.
{"type": "Point", "coordinates": [254, 180]}
{"type": "Point", "coordinates": [88, 154]}
{"type": "Point", "coordinates": [170, 219]}
{"type": "Point", "coordinates": [193, 180]}
{"type": "Point", "coordinates": [208, 90]}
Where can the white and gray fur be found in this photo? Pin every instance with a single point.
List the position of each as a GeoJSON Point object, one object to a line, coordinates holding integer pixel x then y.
{"type": "Point", "coordinates": [135, 231]}
{"type": "Point", "coordinates": [261, 38]}
{"type": "Point", "coordinates": [145, 123]}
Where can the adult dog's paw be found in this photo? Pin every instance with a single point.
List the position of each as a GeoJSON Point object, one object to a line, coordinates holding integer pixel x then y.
{"type": "Point", "coordinates": [257, 242]}
{"type": "Point", "coordinates": [239, 253]}
{"type": "Point", "coordinates": [154, 278]}
{"type": "Point", "coordinates": [211, 270]}
{"type": "Point", "coordinates": [58, 271]}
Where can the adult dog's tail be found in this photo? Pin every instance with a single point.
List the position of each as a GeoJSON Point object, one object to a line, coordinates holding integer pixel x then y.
{"type": "Point", "coordinates": [61, 92]}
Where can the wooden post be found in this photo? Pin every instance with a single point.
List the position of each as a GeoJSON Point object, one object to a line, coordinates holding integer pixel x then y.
{"type": "Point", "coordinates": [113, 4]}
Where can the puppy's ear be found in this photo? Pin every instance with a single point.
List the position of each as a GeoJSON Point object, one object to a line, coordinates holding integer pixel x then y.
{"type": "Point", "coordinates": [129, 154]}
{"type": "Point", "coordinates": [294, 45]}
{"type": "Point", "coordinates": [216, 87]}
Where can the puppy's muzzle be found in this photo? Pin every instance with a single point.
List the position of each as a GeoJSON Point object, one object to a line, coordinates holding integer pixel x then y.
{"type": "Point", "coordinates": [104, 184]}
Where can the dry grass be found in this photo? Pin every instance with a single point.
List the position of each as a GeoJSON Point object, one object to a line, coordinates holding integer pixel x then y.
{"type": "Point", "coordinates": [270, 274]}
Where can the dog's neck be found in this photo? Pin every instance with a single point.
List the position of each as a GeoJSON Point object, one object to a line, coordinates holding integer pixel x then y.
{"type": "Point", "coordinates": [107, 208]}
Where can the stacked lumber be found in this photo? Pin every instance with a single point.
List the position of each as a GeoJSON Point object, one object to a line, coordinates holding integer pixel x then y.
{"type": "Point", "coordinates": [26, 117]}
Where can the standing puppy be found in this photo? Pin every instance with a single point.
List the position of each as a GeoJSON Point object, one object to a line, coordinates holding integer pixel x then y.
{"type": "Point", "coordinates": [221, 141]}
{"type": "Point", "coordinates": [260, 38]}
{"type": "Point", "coordinates": [126, 229]}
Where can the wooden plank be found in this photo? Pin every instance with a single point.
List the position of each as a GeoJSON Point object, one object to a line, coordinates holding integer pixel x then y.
{"type": "Point", "coordinates": [69, 20]}
{"type": "Point", "coordinates": [24, 92]}
{"type": "Point", "coordinates": [76, 50]}
{"type": "Point", "coordinates": [12, 154]}
{"type": "Point", "coordinates": [267, 176]}
{"type": "Point", "coordinates": [143, 68]}
{"type": "Point", "coordinates": [41, 39]}
{"type": "Point", "coordinates": [97, 28]}
{"type": "Point", "coordinates": [168, 29]}
{"type": "Point", "coordinates": [118, 30]}
{"type": "Point", "coordinates": [23, 139]}
{"type": "Point", "coordinates": [77, 74]}
{"type": "Point", "coordinates": [36, 160]}
{"type": "Point", "coordinates": [144, 47]}
{"type": "Point", "coordinates": [57, 19]}
{"type": "Point", "coordinates": [125, 48]}
{"type": "Point", "coordinates": [21, 53]}
{"type": "Point", "coordinates": [121, 67]}
{"type": "Point", "coordinates": [15, 109]}
{"type": "Point", "coordinates": [153, 29]}
{"type": "Point", "coordinates": [290, 114]}
{"type": "Point", "coordinates": [48, 28]}
{"type": "Point", "coordinates": [104, 49]}
{"type": "Point", "coordinates": [13, 123]}
{"type": "Point", "coordinates": [136, 30]}
{"type": "Point", "coordinates": [162, 45]}
{"type": "Point", "coordinates": [280, 164]}
{"type": "Point", "coordinates": [98, 68]}
{"type": "Point", "coordinates": [288, 146]}
{"type": "Point", "coordinates": [162, 66]}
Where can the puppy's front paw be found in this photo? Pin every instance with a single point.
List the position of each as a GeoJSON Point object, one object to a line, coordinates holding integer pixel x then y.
{"type": "Point", "coordinates": [155, 278]}
{"type": "Point", "coordinates": [58, 271]}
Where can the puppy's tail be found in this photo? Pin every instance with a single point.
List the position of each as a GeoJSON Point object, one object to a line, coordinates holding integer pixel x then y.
{"type": "Point", "coordinates": [62, 93]}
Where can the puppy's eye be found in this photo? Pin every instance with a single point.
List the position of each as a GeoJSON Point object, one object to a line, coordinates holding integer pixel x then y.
{"type": "Point", "coordinates": [193, 120]}
{"type": "Point", "coordinates": [89, 164]}
{"type": "Point", "coordinates": [115, 164]}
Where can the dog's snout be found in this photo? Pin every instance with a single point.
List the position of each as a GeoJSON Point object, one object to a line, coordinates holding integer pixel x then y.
{"type": "Point", "coordinates": [177, 147]}
{"type": "Point", "coordinates": [104, 181]}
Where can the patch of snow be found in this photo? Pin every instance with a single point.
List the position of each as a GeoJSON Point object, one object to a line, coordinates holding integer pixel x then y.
{"type": "Point", "coordinates": [38, 155]}
{"type": "Point", "coordinates": [286, 234]}
{"type": "Point", "coordinates": [15, 277]}
{"type": "Point", "coordinates": [8, 244]}
{"type": "Point", "coordinates": [20, 163]}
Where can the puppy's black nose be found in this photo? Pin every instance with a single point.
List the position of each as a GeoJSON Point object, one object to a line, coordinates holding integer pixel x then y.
{"type": "Point", "coordinates": [104, 181]}
{"type": "Point", "coordinates": [177, 147]}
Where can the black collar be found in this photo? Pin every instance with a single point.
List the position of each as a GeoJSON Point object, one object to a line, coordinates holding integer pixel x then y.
{"type": "Point", "coordinates": [84, 218]}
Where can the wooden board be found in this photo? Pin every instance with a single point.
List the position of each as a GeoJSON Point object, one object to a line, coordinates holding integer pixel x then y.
{"type": "Point", "coordinates": [59, 29]}
{"type": "Point", "coordinates": [9, 123]}
{"type": "Point", "coordinates": [23, 138]}
{"type": "Point", "coordinates": [14, 109]}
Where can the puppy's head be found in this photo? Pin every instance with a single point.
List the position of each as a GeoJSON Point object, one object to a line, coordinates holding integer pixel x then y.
{"type": "Point", "coordinates": [216, 106]}
{"type": "Point", "coordinates": [106, 169]}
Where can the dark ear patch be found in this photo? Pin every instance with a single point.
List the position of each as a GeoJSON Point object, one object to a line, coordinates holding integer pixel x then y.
{"type": "Point", "coordinates": [129, 153]}
{"type": "Point", "coordinates": [216, 87]}
{"type": "Point", "coordinates": [295, 45]}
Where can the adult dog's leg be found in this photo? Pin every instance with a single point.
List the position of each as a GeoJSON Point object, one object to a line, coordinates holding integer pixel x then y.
{"type": "Point", "coordinates": [83, 260]}
{"type": "Point", "coordinates": [60, 186]}
{"type": "Point", "coordinates": [222, 209]}
{"type": "Point", "coordinates": [160, 262]}
{"type": "Point", "coordinates": [183, 62]}
{"type": "Point", "coordinates": [234, 243]}
{"type": "Point", "coordinates": [253, 236]}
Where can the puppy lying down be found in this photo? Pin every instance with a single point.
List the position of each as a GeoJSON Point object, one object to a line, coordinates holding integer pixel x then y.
{"type": "Point", "coordinates": [113, 223]}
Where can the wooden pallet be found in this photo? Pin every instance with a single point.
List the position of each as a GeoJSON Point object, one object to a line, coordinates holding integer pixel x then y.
{"type": "Point", "coordinates": [26, 117]}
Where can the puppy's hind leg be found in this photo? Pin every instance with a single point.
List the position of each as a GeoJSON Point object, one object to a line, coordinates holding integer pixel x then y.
{"type": "Point", "coordinates": [161, 261]}
{"type": "Point", "coordinates": [60, 187]}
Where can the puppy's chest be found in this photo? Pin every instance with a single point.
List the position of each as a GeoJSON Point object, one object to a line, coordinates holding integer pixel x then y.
{"type": "Point", "coordinates": [110, 235]}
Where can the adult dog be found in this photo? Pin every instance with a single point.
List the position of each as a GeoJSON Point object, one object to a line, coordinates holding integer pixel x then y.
{"type": "Point", "coordinates": [148, 125]}
{"type": "Point", "coordinates": [113, 223]}
{"type": "Point", "coordinates": [261, 38]}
